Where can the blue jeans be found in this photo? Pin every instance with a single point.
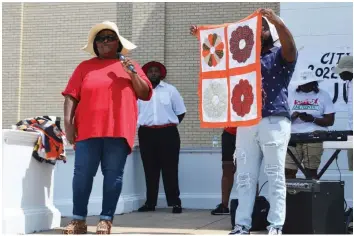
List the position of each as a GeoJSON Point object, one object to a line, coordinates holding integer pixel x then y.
{"type": "Point", "coordinates": [267, 140]}
{"type": "Point", "coordinates": [112, 154]}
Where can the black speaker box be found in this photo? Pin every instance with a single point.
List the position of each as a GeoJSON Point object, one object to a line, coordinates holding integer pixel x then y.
{"type": "Point", "coordinates": [259, 215]}
{"type": "Point", "coordinates": [314, 207]}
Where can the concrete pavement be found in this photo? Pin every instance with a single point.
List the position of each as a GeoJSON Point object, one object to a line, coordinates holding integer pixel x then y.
{"type": "Point", "coordinates": [162, 221]}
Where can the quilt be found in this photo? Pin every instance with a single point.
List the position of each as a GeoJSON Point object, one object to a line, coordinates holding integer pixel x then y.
{"type": "Point", "coordinates": [230, 90]}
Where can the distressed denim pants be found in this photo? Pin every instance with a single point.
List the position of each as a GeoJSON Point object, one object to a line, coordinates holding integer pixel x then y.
{"type": "Point", "coordinates": [267, 140]}
{"type": "Point", "coordinates": [112, 154]}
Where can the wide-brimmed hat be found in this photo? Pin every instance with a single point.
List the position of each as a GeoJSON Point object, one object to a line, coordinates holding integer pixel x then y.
{"type": "Point", "coordinates": [345, 64]}
{"type": "Point", "coordinates": [127, 45]}
{"type": "Point", "coordinates": [159, 65]}
{"type": "Point", "coordinates": [305, 77]}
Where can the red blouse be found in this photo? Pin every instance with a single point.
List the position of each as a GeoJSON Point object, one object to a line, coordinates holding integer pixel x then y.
{"type": "Point", "coordinates": [107, 102]}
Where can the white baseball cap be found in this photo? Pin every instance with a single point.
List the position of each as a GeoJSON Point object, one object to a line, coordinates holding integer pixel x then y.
{"type": "Point", "coordinates": [345, 64]}
{"type": "Point", "coordinates": [306, 76]}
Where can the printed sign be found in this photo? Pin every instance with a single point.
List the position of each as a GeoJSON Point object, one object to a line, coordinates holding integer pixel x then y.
{"type": "Point", "coordinates": [321, 61]}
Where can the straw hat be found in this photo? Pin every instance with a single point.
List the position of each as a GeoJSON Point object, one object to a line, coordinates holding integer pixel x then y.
{"type": "Point", "coordinates": [127, 45]}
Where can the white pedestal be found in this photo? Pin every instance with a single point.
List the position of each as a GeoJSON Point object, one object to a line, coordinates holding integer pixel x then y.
{"type": "Point", "coordinates": [27, 187]}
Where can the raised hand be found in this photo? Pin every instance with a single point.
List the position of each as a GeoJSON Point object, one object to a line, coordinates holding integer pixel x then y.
{"type": "Point", "coordinates": [193, 30]}
{"type": "Point", "coordinates": [271, 16]}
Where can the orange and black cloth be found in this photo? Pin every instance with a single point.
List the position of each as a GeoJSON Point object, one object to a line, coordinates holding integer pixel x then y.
{"type": "Point", "coordinates": [49, 146]}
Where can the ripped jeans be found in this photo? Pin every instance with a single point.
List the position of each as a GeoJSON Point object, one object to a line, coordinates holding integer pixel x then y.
{"type": "Point", "coordinates": [267, 140]}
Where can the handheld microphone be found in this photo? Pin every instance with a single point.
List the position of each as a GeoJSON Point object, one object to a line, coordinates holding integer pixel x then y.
{"type": "Point", "coordinates": [122, 58]}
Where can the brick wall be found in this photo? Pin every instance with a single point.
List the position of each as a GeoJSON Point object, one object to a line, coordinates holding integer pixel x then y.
{"type": "Point", "coordinates": [53, 34]}
{"type": "Point", "coordinates": [11, 41]}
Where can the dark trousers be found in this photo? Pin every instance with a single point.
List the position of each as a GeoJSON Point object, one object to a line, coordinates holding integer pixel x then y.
{"type": "Point", "coordinates": [159, 149]}
{"type": "Point", "coordinates": [112, 154]}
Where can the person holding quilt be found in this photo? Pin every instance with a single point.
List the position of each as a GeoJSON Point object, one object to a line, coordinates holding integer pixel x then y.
{"type": "Point", "coordinates": [267, 140]}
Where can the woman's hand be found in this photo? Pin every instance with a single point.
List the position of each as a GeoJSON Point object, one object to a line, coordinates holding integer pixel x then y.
{"type": "Point", "coordinates": [70, 105]}
{"type": "Point", "coordinates": [70, 132]}
{"type": "Point", "coordinates": [126, 63]}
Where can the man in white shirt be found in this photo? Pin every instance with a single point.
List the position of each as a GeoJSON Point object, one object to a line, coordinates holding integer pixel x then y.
{"type": "Point", "coordinates": [345, 71]}
{"type": "Point", "coordinates": [311, 110]}
{"type": "Point", "coordinates": [159, 140]}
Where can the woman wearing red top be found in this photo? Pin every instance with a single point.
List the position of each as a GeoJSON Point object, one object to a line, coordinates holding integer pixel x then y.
{"type": "Point", "coordinates": [100, 112]}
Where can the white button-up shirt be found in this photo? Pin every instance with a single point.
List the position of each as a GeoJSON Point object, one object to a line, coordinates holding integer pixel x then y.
{"type": "Point", "coordinates": [163, 108]}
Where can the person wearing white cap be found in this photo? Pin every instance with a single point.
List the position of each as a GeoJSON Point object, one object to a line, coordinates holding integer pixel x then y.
{"type": "Point", "coordinates": [100, 111]}
{"type": "Point", "coordinates": [312, 110]}
{"type": "Point", "coordinates": [345, 71]}
{"type": "Point", "coordinates": [269, 138]}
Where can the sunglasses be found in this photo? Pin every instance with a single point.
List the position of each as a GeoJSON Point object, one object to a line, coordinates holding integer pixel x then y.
{"type": "Point", "coordinates": [109, 38]}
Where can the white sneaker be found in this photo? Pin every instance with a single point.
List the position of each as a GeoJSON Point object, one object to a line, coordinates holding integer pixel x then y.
{"type": "Point", "coordinates": [274, 231]}
{"type": "Point", "coordinates": [239, 229]}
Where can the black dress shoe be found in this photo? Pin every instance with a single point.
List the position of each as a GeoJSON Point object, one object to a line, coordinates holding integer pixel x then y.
{"type": "Point", "coordinates": [146, 208]}
{"type": "Point", "coordinates": [177, 209]}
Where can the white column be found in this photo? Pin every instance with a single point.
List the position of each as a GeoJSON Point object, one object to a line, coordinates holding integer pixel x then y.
{"type": "Point", "coordinates": [27, 186]}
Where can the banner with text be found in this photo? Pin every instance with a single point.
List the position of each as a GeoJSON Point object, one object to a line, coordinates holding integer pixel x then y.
{"type": "Point", "coordinates": [321, 61]}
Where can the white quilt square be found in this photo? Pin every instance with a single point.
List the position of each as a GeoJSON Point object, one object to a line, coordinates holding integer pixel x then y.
{"type": "Point", "coordinates": [215, 100]}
